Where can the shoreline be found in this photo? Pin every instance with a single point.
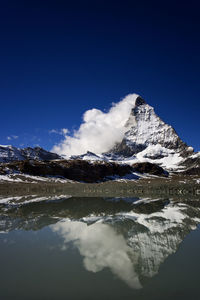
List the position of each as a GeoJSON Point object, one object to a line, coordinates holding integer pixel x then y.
{"type": "Point", "coordinates": [155, 187]}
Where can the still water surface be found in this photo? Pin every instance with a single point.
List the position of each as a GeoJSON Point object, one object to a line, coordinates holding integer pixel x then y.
{"type": "Point", "coordinates": [99, 248]}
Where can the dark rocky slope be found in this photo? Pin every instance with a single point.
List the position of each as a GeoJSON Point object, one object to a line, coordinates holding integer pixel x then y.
{"type": "Point", "coordinates": [149, 168]}
{"type": "Point", "coordinates": [79, 170]}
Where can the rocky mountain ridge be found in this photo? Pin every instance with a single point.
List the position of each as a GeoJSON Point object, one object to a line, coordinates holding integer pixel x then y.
{"type": "Point", "coordinates": [10, 153]}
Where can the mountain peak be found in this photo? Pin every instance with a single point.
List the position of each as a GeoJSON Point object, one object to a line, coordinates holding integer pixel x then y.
{"type": "Point", "coordinates": [145, 128]}
{"type": "Point", "coordinates": [139, 101]}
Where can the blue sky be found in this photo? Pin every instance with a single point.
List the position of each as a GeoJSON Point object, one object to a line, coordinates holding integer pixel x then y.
{"type": "Point", "coordinates": [59, 59]}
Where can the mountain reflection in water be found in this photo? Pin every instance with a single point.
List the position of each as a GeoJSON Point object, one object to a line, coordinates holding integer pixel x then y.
{"type": "Point", "coordinates": [131, 237]}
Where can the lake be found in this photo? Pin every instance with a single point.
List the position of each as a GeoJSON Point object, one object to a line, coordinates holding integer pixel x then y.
{"type": "Point", "coordinates": [62, 247]}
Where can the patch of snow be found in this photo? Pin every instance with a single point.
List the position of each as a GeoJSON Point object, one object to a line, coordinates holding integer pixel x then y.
{"type": "Point", "coordinates": [32, 199]}
{"type": "Point", "coordinates": [171, 162]}
{"type": "Point", "coordinates": [6, 146]}
{"type": "Point", "coordinates": [154, 151]}
{"type": "Point", "coordinates": [10, 178]}
{"type": "Point", "coordinates": [8, 199]}
{"type": "Point", "coordinates": [169, 159]}
{"type": "Point", "coordinates": [145, 200]}
{"type": "Point", "coordinates": [35, 179]}
{"type": "Point", "coordinates": [47, 199]}
{"type": "Point", "coordinates": [172, 215]}
{"type": "Point", "coordinates": [195, 155]}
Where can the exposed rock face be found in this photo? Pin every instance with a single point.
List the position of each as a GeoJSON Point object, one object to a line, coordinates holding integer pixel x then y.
{"type": "Point", "coordinates": [10, 153]}
{"type": "Point", "coordinates": [192, 165]}
{"type": "Point", "coordinates": [149, 168]}
{"type": "Point", "coordinates": [145, 128]}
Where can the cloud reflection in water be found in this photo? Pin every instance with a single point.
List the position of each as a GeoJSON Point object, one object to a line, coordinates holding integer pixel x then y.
{"type": "Point", "coordinates": [101, 246]}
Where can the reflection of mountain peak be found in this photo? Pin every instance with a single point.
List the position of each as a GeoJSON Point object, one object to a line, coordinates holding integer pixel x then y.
{"type": "Point", "coordinates": [154, 248]}
{"type": "Point", "coordinates": [159, 234]}
{"type": "Point", "coordinates": [132, 238]}
{"type": "Point", "coordinates": [129, 243]}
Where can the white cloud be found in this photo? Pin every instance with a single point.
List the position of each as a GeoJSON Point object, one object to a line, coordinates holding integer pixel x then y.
{"type": "Point", "coordinates": [99, 131]}
{"type": "Point", "coordinates": [62, 131]}
{"type": "Point", "coordinates": [12, 137]}
{"type": "Point", "coordinates": [53, 131]}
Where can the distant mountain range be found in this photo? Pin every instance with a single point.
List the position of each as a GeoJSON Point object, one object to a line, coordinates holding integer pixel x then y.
{"type": "Point", "coordinates": [10, 153]}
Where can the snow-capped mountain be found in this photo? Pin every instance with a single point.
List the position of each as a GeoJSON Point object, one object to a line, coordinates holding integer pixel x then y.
{"type": "Point", "coordinates": [147, 139]}
{"type": "Point", "coordinates": [144, 129]}
{"type": "Point", "coordinates": [10, 153]}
